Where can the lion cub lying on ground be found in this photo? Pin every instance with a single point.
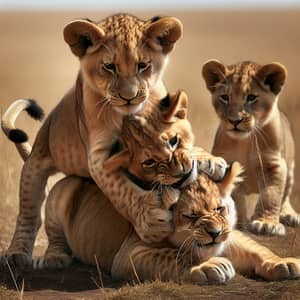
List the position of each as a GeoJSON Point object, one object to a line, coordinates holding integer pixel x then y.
{"type": "Point", "coordinates": [254, 132]}
{"type": "Point", "coordinates": [81, 219]}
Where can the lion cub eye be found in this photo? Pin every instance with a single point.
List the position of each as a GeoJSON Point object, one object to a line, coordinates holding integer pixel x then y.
{"type": "Point", "coordinates": [173, 142]}
{"type": "Point", "coordinates": [109, 67]}
{"type": "Point", "coordinates": [192, 216]}
{"type": "Point", "coordinates": [142, 67]}
{"type": "Point", "coordinates": [220, 209]}
{"type": "Point", "coordinates": [224, 98]}
{"type": "Point", "coordinates": [149, 163]}
{"type": "Point", "coordinates": [251, 98]}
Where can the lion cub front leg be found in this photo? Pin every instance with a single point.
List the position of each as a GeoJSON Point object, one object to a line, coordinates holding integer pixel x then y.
{"type": "Point", "coordinates": [251, 258]}
{"type": "Point", "coordinates": [166, 264]}
{"type": "Point", "coordinates": [266, 216]}
{"type": "Point", "coordinates": [214, 270]}
{"type": "Point", "coordinates": [214, 166]}
{"type": "Point", "coordinates": [141, 208]}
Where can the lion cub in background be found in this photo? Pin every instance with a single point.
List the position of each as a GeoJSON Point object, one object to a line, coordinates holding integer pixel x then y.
{"type": "Point", "coordinates": [255, 132]}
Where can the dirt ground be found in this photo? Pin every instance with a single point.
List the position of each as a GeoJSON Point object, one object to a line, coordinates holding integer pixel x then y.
{"type": "Point", "coordinates": [35, 62]}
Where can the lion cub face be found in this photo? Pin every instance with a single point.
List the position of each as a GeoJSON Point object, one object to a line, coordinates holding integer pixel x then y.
{"type": "Point", "coordinates": [205, 213]}
{"type": "Point", "coordinates": [156, 142]}
{"type": "Point", "coordinates": [244, 94]}
{"type": "Point", "coordinates": [123, 57]}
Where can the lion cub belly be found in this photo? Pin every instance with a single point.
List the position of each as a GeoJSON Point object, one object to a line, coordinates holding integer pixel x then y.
{"type": "Point", "coordinates": [93, 227]}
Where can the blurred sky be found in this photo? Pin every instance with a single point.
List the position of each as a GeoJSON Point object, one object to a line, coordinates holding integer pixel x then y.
{"type": "Point", "coordinates": [146, 4]}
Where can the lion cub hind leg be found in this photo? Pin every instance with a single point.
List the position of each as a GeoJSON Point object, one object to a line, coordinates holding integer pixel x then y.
{"type": "Point", "coordinates": [36, 170]}
{"type": "Point", "coordinates": [34, 177]}
{"type": "Point", "coordinates": [57, 255]}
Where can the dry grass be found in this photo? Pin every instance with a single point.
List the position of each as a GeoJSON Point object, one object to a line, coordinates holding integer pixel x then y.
{"type": "Point", "coordinates": [6, 294]}
{"type": "Point", "coordinates": [35, 62]}
{"type": "Point", "coordinates": [239, 288]}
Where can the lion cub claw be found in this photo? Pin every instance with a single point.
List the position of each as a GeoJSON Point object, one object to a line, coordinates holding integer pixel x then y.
{"type": "Point", "coordinates": [292, 220]}
{"type": "Point", "coordinates": [285, 268]}
{"type": "Point", "coordinates": [54, 261]}
{"type": "Point", "coordinates": [215, 270]}
{"type": "Point", "coordinates": [215, 167]}
{"type": "Point", "coordinates": [266, 227]}
{"type": "Point", "coordinates": [16, 259]}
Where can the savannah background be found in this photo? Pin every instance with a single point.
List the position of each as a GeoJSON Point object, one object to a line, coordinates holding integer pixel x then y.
{"type": "Point", "coordinates": [36, 63]}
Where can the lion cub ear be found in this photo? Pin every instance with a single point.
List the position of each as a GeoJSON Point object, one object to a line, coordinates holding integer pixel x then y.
{"type": "Point", "coordinates": [163, 33]}
{"type": "Point", "coordinates": [213, 72]}
{"type": "Point", "coordinates": [174, 107]}
{"type": "Point", "coordinates": [273, 75]}
{"type": "Point", "coordinates": [231, 179]}
{"type": "Point", "coordinates": [117, 161]}
{"type": "Point", "coordinates": [82, 34]}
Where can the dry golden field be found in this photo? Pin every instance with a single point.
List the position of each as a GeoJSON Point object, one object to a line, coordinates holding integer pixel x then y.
{"type": "Point", "coordinates": [35, 62]}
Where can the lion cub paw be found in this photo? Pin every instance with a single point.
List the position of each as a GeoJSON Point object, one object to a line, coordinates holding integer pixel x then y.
{"type": "Point", "coordinates": [266, 227]}
{"type": "Point", "coordinates": [54, 261]}
{"type": "Point", "coordinates": [215, 270]}
{"type": "Point", "coordinates": [16, 259]}
{"type": "Point", "coordinates": [283, 268]}
{"type": "Point", "coordinates": [292, 220]}
{"type": "Point", "coordinates": [215, 168]}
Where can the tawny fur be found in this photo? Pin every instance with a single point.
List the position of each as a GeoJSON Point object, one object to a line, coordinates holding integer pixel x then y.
{"type": "Point", "coordinates": [255, 132]}
{"type": "Point", "coordinates": [122, 59]}
{"type": "Point", "coordinates": [82, 221]}
{"type": "Point", "coordinates": [164, 128]}
{"type": "Point", "coordinates": [77, 212]}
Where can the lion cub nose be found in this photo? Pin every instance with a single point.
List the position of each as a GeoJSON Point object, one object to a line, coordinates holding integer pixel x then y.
{"type": "Point", "coordinates": [214, 233]}
{"type": "Point", "coordinates": [235, 122]}
{"type": "Point", "coordinates": [128, 92]}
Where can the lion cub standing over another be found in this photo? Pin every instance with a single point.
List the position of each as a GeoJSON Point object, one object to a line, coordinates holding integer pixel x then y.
{"type": "Point", "coordinates": [122, 59]}
{"type": "Point", "coordinates": [253, 131]}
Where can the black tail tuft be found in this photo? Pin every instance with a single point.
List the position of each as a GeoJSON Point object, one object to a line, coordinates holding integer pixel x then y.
{"type": "Point", "coordinates": [17, 136]}
{"type": "Point", "coordinates": [34, 110]}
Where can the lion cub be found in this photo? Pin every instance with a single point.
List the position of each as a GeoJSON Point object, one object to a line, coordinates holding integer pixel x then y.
{"type": "Point", "coordinates": [122, 60]}
{"type": "Point", "coordinates": [159, 138]}
{"type": "Point", "coordinates": [255, 132]}
{"type": "Point", "coordinates": [203, 249]}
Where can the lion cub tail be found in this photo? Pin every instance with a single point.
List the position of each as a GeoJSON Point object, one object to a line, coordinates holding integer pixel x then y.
{"type": "Point", "coordinates": [18, 136]}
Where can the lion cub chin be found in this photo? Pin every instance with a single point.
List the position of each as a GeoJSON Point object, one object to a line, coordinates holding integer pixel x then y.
{"type": "Point", "coordinates": [255, 132]}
